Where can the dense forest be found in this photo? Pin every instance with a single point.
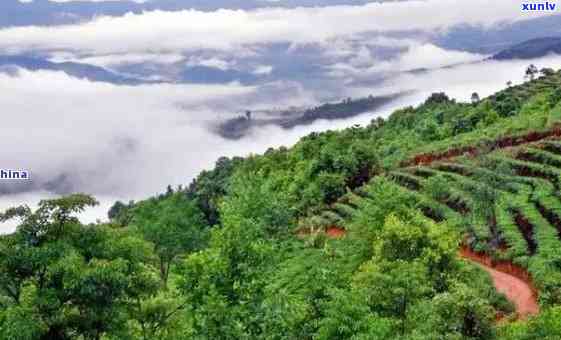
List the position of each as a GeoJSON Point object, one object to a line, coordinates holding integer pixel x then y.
{"type": "Point", "coordinates": [350, 234]}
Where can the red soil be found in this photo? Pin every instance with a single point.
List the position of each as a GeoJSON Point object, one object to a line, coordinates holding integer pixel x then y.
{"type": "Point", "coordinates": [511, 280]}
{"type": "Point", "coordinates": [428, 158]}
{"type": "Point", "coordinates": [505, 142]}
{"type": "Point", "coordinates": [335, 232]}
{"type": "Point", "coordinates": [332, 232]}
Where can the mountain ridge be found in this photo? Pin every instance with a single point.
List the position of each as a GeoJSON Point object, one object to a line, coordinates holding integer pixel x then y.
{"type": "Point", "coordinates": [77, 70]}
{"type": "Point", "coordinates": [531, 49]}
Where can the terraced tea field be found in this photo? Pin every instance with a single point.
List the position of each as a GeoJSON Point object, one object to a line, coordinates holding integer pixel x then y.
{"type": "Point", "coordinates": [506, 203]}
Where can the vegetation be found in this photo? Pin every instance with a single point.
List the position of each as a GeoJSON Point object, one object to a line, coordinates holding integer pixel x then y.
{"type": "Point", "coordinates": [239, 126]}
{"type": "Point", "coordinates": [244, 252]}
{"type": "Point", "coordinates": [346, 108]}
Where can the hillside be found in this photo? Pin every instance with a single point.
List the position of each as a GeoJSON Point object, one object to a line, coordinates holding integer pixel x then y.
{"type": "Point", "coordinates": [350, 234]}
{"type": "Point", "coordinates": [531, 49]}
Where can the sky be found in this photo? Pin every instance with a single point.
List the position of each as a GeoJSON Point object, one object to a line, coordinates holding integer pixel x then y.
{"type": "Point", "coordinates": [127, 142]}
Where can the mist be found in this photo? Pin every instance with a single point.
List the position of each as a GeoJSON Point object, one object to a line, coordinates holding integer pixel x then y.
{"type": "Point", "coordinates": [125, 142]}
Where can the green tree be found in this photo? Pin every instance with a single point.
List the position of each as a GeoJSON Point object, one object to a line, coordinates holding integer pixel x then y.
{"type": "Point", "coordinates": [411, 260]}
{"type": "Point", "coordinates": [224, 284]}
{"type": "Point", "coordinates": [475, 98]}
{"type": "Point", "coordinates": [348, 316]}
{"type": "Point", "coordinates": [545, 326]}
{"type": "Point", "coordinates": [120, 213]}
{"type": "Point", "coordinates": [209, 188]}
{"type": "Point", "coordinates": [254, 197]}
{"type": "Point", "coordinates": [531, 72]}
{"type": "Point", "coordinates": [174, 224]}
{"type": "Point", "coordinates": [70, 280]}
{"type": "Point", "coordinates": [391, 288]}
{"type": "Point", "coordinates": [547, 71]}
{"type": "Point", "coordinates": [460, 313]}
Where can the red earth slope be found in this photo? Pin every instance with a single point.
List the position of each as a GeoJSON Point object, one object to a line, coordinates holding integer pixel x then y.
{"type": "Point", "coordinates": [513, 281]}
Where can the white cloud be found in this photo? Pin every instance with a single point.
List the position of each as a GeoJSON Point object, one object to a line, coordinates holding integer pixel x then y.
{"type": "Point", "coordinates": [131, 140]}
{"type": "Point", "coordinates": [218, 63]}
{"type": "Point", "coordinates": [263, 69]}
{"type": "Point", "coordinates": [425, 56]}
{"type": "Point", "coordinates": [164, 32]}
{"type": "Point", "coordinates": [363, 65]}
{"type": "Point", "coordinates": [126, 58]}
{"type": "Point", "coordinates": [461, 81]}
{"type": "Point", "coordinates": [88, 129]}
{"type": "Point", "coordinates": [121, 142]}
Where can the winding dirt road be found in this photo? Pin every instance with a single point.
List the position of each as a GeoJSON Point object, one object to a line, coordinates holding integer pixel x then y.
{"type": "Point", "coordinates": [516, 290]}
{"type": "Point", "coordinates": [512, 281]}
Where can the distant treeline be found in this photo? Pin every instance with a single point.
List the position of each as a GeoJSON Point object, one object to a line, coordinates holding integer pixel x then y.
{"type": "Point", "coordinates": [237, 127]}
{"type": "Point", "coordinates": [345, 109]}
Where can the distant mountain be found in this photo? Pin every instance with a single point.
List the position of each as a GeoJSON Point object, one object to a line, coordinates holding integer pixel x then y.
{"type": "Point", "coordinates": [78, 70]}
{"type": "Point", "coordinates": [491, 40]}
{"type": "Point", "coordinates": [530, 49]}
{"type": "Point", "coordinates": [131, 75]}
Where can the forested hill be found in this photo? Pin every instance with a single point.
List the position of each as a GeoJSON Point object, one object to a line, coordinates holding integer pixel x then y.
{"type": "Point", "coordinates": [350, 234]}
{"type": "Point", "coordinates": [531, 49]}
{"type": "Point", "coordinates": [238, 127]}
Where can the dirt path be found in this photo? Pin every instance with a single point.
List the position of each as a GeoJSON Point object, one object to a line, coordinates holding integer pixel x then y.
{"type": "Point", "coordinates": [516, 290]}
{"type": "Point", "coordinates": [513, 283]}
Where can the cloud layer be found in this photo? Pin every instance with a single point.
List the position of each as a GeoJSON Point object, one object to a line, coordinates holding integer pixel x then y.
{"type": "Point", "coordinates": [162, 32]}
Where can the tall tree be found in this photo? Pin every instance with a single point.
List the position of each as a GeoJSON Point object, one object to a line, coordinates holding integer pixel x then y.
{"type": "Point", "coordinates": [174, 224]}
{"type": "Point", "coordinates": [63, 280]}
{"type": "Point", "coordinates": [475, 98]}
{"type": "Point", "coordinates": [547, 71]}
{"type": "Point", "coordinates": [531, 72]}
